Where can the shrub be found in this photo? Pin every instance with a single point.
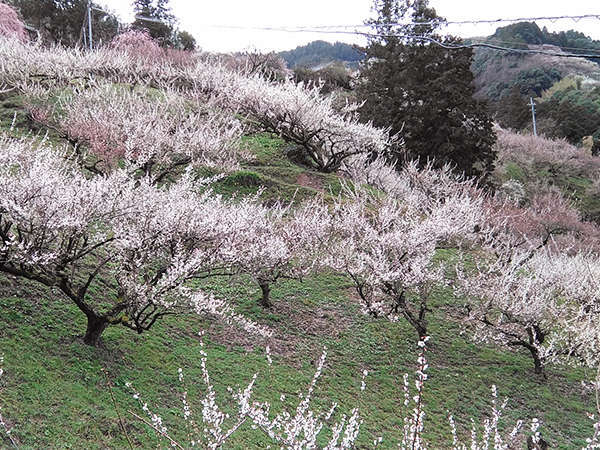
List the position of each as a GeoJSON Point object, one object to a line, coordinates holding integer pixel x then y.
{"type": "Point", "coordinates": [137, 43]}
{"type": "Point", "coordinates": [10, 24]}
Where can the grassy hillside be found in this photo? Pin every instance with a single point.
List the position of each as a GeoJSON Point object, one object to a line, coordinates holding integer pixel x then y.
{"type": "Point", "coordinates": [55, 393]}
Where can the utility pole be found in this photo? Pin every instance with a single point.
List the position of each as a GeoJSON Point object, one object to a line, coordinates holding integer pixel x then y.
{"type": "Point", "coordinates": [89, 14]}
{"type": "Point", "coordinates": [533, 115]}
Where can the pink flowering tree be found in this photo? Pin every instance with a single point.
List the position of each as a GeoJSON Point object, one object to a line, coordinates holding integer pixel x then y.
{"type": "Point", "coordinates": [164, 132]}
{"type": "Point", "coordinates": [137, 43]}
{"type": "Point", "coordinates": [547, 219]}
{"type": "Point", "coordinates": [11, 25]}
{"type": "Point", "coordinates": [65, 230]}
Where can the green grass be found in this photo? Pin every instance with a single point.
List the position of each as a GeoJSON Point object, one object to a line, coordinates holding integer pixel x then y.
{"type": "Point", "coordinates": [55, 394]}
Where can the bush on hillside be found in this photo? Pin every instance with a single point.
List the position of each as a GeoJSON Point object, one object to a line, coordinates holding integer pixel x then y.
{"type": "Point", "coordinates": [137, 43]}
{"type": "Point", "coordinates": [10, 24]}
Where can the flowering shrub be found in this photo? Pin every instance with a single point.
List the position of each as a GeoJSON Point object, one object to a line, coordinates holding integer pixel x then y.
{"type": "Point", "coordinates": [300, 429]}
{"type": "Point", "coordinates": [10, 24]}
{"type": "Point", "coordinates": [295, 430]}
{"type": "Point", "coordinates": [137, 43]}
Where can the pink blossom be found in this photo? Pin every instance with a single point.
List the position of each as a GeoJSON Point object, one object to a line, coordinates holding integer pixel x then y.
{"type": "Point", "coordinates": [11, 25]}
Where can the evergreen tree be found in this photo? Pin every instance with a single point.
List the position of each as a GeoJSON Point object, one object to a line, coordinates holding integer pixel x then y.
{"type": "Point", "coordinates": [424, 91]}
{"type": "Point", "coordinates": [186, 41]}
{"type": "Point", "coordinates": [63, 21]}
{"type": "Point", "coordinates": [156, 18]}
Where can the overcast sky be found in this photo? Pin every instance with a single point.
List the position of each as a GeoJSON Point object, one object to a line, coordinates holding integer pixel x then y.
{"type": "Point", "coordinates": [204, 18]}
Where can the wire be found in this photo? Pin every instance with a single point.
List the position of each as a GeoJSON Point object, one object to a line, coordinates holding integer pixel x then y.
{"type": "Point", "coordinates": [398, 24]}
{"type": "Point", "coordinates": [497, 41]}
{"type": "Point", "coordinates": [515, 50]}
{"type": "Point", "coordinates": [488, 21]}
{"type": "Point", "coordinates": [423, 38]}
{"type": "Point", "coordinates": [484, 45]}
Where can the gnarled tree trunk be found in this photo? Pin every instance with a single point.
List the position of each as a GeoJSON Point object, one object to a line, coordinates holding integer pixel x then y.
{"type": "Point", "coordinates": [265, 300]}
{"type": "Point", "coordinates": [95, 328]}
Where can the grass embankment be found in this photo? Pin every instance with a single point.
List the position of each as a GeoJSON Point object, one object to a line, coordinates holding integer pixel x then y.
{"type": "Point", "coordinates": [55, 395]}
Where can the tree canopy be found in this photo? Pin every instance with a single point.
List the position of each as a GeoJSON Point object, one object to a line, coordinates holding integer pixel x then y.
{"type": "Point", "coordinates": [424, 91]}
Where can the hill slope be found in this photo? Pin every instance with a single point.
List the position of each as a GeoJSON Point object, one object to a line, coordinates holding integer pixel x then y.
{"type": "Point", "coordinates": [55, 395]}
{"type": "Point", "coordinates": [319, 53]}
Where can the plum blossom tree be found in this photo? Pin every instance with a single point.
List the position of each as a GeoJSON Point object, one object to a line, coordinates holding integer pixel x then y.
{"type": "Point", "coordinates": [289, 243]}
{"type": "Point", "coordinates": [387, 244]}
{"type": "Point", "coordinates": [164, 133]}
{"type": "Point", "coordinates": [302, 116]}
{"type": "Point", "coordinates": [137, 43]}
{"type": "Point", "coordinates": [11, 26]}
{"type": "Point", "coordinates": [548, 219]}
{"type": "Point", "coordinates": [542, 302]}
{"type": "Point", "coordinates": [298, 113]}
{"type": "Point", "coordinates": [64, 230]}
{"type": "Point", "coordinates": [269, 65]}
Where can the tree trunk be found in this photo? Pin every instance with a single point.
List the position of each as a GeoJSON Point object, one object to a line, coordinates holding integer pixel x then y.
{"type": "Point", "coordinates": [537, 362]}
{"type": "Point", "coordinates": [265, 300]}
{"type": "Point", "coordinates": [95, 328]}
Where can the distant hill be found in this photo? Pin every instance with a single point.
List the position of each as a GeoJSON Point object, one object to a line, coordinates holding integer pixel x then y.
{"type": "Point", "coordinates": [566, 90]}
{"type": "Point", "coordinates": [317, 54]}
{"type": "Point", "coordinates": [496, 73]}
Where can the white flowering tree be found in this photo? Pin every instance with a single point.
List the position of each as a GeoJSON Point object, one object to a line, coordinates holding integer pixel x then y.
{"type": "Point", "coordinates": [65, 230]}
{"type": "Point", "coordinates": [289, 243]}
{"type": "Point", "coordinates": [386, 245]}
{"type": "Point", "coordinates": [298, 113]}
{"type": "Point", "coordinates": [545, 303]}
{"type": "Point", "coordinates": [162, 134]}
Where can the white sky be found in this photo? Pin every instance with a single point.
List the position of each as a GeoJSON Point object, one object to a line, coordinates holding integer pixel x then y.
{"type": "Point", "coordinates": [202, 17]}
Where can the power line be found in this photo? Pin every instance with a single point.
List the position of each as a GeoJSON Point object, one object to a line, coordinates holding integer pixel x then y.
{"type": "Point", "coordinates": [399, 24]}
{"type": "Point", "coordinates": [497, 41]}
{"type": "Point", "coordinates": [501, 20]}
{"type": "Point", "coordinates": [416, 37]}
{"type": "Point", "coordinates": [490, 46]}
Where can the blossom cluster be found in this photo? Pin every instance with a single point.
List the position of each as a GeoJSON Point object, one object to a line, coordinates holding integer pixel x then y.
{"type": "Point", "coordinates": [163, 132]}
